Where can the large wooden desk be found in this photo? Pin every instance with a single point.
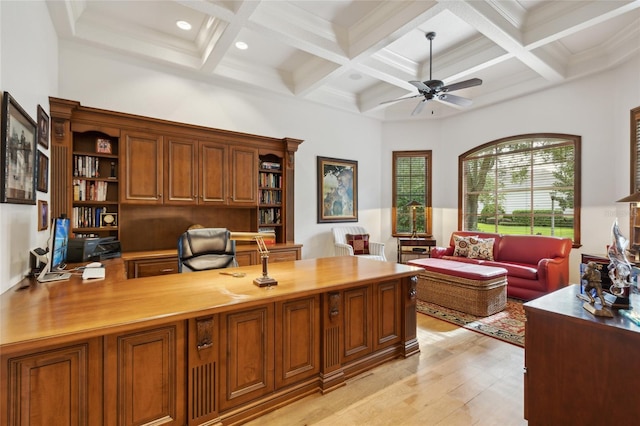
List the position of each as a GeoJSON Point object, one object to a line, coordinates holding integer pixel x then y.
{"type": "Point", "coordinates": [580, 369]}
{"type": "Point", "coordinates": [198, 348]}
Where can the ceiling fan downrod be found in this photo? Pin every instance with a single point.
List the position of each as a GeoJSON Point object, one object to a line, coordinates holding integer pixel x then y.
{"type": "Point", "coordinates": [430, 35]}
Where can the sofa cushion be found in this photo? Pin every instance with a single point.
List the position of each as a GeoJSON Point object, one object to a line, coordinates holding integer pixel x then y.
{"type": "Point", "coordinates": [462, 245]}
{"type": "Point", "coordinates": [359, 242]}
{"type": "Point", "coordinates": [528, 272]}
{"type": "Point", "coordinates": [481, 248]}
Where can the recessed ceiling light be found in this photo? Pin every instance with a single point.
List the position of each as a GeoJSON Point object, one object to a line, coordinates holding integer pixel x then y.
{"type": "Point", "coordinates": [183, 25]}
{"type": "Point", "coordinates": [242, 45]}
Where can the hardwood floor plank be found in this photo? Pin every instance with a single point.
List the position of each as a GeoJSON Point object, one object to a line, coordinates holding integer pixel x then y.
{"type": "Point", "coordinates": [460, 378]}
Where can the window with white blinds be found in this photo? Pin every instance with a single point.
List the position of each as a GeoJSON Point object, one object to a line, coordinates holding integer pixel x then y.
{"type": "Point", "coordinates": [527, 184]}
{"type": "Point", "coordinates": [411, 183]}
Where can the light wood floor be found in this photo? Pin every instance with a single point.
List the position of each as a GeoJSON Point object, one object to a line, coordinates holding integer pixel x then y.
{"type": "Point", "coordinates": [459, 378]}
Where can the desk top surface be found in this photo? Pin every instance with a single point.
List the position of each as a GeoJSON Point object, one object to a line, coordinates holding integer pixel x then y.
{"type": "Point", "coordinates": [78, 309]}
{"type": "Point", "coordinates": [564, 302]}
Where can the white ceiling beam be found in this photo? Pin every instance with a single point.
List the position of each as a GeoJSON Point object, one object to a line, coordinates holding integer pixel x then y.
{"type": "Point", "coordinates": [486, 20]}
{"type": "Point", "coordinates": [559, 19]}
{"type": "Point", "coordinates": [220, 45]}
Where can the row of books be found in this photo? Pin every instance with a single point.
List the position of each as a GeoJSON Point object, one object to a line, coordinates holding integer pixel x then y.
{"type": "Point", "coordinates": [84, 190]}
{"type": "Point", "coordinates": [270, 180]}
{"type": "Point", "coordinates": [268, 216]}
{"type": "Point", "coordinates": [87, 217]}
{"type": "Point", "coordinates": [268, 235]}
{"type": "Point", "coordinates": [269, 196]}
{"type": "Point", "coordinates": [269, 165]}
{"type": "Point", "coordinates": [86, 166]}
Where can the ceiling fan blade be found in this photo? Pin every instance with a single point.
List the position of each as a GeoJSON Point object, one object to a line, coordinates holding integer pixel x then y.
{"type": "Point", "coordinates": [421, 86]}
{"type": "Point", "coordinates": [400, 99]}
{"type": "Point", "coordinates": [419, 107]}
{"type": "Point", "coordinates": [457, 100]}
{"type": "Point", "coordinates": [462, 85]}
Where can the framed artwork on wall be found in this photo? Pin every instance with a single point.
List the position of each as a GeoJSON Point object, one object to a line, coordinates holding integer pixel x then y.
{"type": "Point", "coordinates": [43, 215]}
{"type": "Point", "coordinates": [43, 127]}
{"type": "Point", "coordinates": [337, 190]}
{"type": "Point", "coordinates": [18, 154]}
{"type": "Point", "coordinates": [43, 173]}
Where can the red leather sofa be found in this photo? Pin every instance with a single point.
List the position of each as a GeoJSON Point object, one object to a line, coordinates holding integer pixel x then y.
{"type": "Point", "coordinates": [536, 265]}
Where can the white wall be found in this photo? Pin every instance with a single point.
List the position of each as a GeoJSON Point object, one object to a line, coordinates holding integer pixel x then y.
{"type": "Point", "coordinates": [28, 71]}
{"type": "Point", "coordinates": [596, 108]}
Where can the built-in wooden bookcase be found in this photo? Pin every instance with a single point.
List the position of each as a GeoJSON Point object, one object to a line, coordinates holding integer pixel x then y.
{"type": "Point", "coordinates": [95, 185]}
{"type": "Point", "coordinates": [156, 178]}
{"type": "Point", "coordinates": [271, 196]}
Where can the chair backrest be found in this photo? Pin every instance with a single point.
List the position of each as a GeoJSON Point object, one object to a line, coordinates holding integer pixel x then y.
{"type": "Point", "coordinates": [206, 248]}
{"type": "Point", "coordinates": [340, 233]}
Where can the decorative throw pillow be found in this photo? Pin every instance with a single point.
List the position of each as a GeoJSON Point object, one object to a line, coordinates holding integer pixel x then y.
{"type": "Point", "coordinates": [359, 242]}
{"type": "Point", "coordinates": [481, 248]}
{"type": "Point", "coordinates": [461, 245]}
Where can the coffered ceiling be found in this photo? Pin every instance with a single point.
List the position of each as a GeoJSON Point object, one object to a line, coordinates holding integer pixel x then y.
{"type": "Point", "coordinates": [353, 55]}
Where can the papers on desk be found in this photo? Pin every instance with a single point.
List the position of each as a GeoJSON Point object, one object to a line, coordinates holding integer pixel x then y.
{"type": "Point", "coordinates": [93, 273]}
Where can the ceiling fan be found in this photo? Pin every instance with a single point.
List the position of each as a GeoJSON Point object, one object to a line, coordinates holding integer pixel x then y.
{"type": "Point", "coordinates": [436, 89]}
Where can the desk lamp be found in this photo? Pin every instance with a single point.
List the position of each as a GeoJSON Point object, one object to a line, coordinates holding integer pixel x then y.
{"type": "Point", "coordinates": [413, 204]}
{"type": "Point", "coordinates": [265, 280]}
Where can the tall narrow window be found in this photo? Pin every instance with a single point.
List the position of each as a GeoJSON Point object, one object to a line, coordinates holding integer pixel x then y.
{"type": "Point", "coordinates": [527, 184]}
{"type": "Point", "coordinates": [411, 190]}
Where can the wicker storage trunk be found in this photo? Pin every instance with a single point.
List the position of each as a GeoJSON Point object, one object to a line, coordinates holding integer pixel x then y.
{"type": "Point", "coordinates": [480, 297]}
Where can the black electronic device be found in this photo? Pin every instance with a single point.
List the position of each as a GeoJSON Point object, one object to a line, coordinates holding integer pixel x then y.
{"type": "Point", "coordinates": [93, 249]}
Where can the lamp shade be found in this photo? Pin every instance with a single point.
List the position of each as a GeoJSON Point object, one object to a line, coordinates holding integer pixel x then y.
{"type": "Point", "coordinates": [413, 203]}
{"type": "Point", "coordinates": [633, 198]}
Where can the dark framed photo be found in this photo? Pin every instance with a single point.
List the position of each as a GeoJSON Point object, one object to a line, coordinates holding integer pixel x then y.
{"type": "Point", "coordinates": [18, 154]}
{"type": "Point", "coordinates": [103, 146]}
{"type": "Point", "coordinates": [43, 215]}
{"type": "Point", "coordinates": [108, 219]}
{"type": "Point", "coordinates": [337, 190]}
{"type": "Point", "coordinates": [43, 127]}
{"type": "Point", "coordinates": [42, 179]}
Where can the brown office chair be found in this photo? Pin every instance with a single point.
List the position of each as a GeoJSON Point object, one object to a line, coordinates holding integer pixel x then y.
{"type": "Point", "coordinates": [206, 248]}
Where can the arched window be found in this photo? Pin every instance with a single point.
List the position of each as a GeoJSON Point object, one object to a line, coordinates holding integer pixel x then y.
{"type": "Point", "coordinates": [526, 184]}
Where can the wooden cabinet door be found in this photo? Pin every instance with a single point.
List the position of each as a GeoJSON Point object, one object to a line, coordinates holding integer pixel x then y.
{"type": "Point", "coordinates": [145, 376]}
{"type": "Point", "coordinates": [358, 323]}
{"type": "Point", "coordinates": [141, 168]}
{"type": "Point", "coordinates": [58, 386]}
{"type": "Point", "coordinates": [246, 356]}
{"type": "Point", "coordinates": [244, 176]}
{"type": "Point", "coordinates": [180, 171]}
{"type": "Point", "coordinates": [297, 340]}
{"type": "Point", "coordinates": [214, 173]}
{"type": "Point", "coordinates": [388, 315]}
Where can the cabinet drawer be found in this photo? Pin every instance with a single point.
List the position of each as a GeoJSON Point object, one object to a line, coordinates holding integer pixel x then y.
{"type": "Point", "coordinates": [283, 256]}
{"type": "Point", "coordinates": [149, 268]}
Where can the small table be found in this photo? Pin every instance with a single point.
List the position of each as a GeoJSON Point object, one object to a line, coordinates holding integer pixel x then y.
{"type": "Point", "coordinates": [414, 248]}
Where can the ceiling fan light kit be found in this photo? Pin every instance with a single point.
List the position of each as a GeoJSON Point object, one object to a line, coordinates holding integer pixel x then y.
{"type": "Point", "coordinates": [436, 89]}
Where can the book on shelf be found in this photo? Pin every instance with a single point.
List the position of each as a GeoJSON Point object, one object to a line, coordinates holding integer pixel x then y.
{"type": "Point", "coordinates": [86, 166]}
{"type": "Point", "coordinates": [87, 217]}
{"type": "Point", "coordinates": [270, 165]}
{"type": "Point", "coordinates": [84, 190]}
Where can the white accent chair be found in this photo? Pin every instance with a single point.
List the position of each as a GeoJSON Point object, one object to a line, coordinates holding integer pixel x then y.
{"type": "Point", "coordinates": [376, 249]}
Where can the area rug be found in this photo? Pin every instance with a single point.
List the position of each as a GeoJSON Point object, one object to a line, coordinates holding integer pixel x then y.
{"type": "Point", "coordinates": [507, 325]}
